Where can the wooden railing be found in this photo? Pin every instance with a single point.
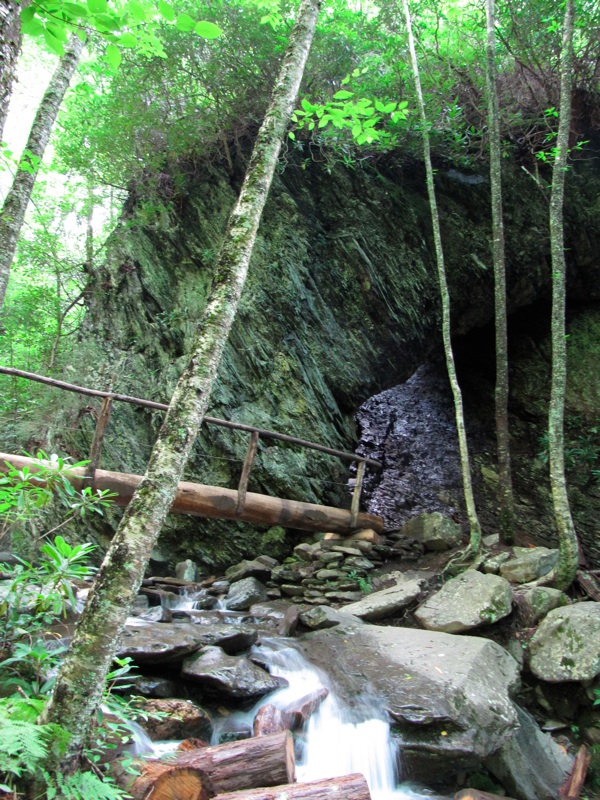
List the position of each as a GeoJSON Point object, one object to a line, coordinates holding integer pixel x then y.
{"type": "Point", "coordinates": [108, 398]}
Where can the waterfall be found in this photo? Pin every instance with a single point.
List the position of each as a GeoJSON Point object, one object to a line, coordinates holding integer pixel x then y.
{"type": "Point", "coordinates": [338, 740]}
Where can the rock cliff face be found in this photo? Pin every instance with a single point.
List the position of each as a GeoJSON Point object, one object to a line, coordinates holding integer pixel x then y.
{"type": "Point", "coordinates": [341, 302]}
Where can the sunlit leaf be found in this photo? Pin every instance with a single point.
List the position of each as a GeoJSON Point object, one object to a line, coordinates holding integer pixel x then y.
{"type": "Point", "coordinates": [166, 11]}
{"type": "Point", "coordinates": [208, 30]}
{"type": "Point", "coordinates": [113, 55]}
{"type": "Point", "coordinates": [184, 23]}
{"type": "Point", "coordinates": [97, 6]}
{"type": "Point", "coordinates": [53, 43]}
{"type": "Point", "coordinates": [343, 94]}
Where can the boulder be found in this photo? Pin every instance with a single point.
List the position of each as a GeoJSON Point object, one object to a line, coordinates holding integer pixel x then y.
{"type": "Point", "coordinates": [156, 642]}
{"type": "Point", "coordinates": [529, 564]}
{"type": "Point", "coordinates": [492, 564]}
{"type": "Point", "coordinates": [566, 646]}
{"type": "Point", "coordinates": [434, 531]}
{"type": "Point", "coordinates": [530, 766]}
{"type": "Point", "coordinates": [242, 594]}
{"type": "Point", "coordinates": [535, 602]}
{"type": "Point", "coordinates": [234, 676]}
{"type": "Point", "coordinates": [306, 551]}
{"type": "Point", "coordinates": [249, 569]}
{"type": "Point", "coordinates": [448, 696]}
{"type": "Point", "coordinates": [174, 719]}
{"type": "Point", "coordinates": [321, 617]}
{"type": "Point", "coordinates": [386, 602]}
{"type": "Point", "coordinates": [468, 601]}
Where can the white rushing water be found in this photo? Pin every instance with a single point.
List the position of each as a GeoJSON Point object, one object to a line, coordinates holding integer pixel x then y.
{"type": "Point", "coordinates": [337, 740]}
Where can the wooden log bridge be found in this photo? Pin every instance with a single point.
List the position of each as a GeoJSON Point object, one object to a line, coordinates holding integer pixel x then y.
{"type": "Point", "coordinates": [213, 501]}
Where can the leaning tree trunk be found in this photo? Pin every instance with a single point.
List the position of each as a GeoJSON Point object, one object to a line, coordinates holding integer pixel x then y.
{"type": "Point", "coordinates": [17, 199]}
{"type": "Point", "coordinates": [505, 491]}
{"type": "Point", "coordinates": [474, 526]}
{"type": "Point", "coordinates": [563, 574]}
{"type": "Point", "coordinates": [10, 47]}
{"type": "Point", "coordinates": [80, 682]}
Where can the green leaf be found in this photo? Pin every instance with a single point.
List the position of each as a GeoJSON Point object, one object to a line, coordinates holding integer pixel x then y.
{"type": "Point", "coordinates": [292, 136]}
{"type": "Point", "coordinates": [343, 94]}
{"type": "Point", "coordinates": [306, 105]}
{"type": "Point", "coordinates": [32, 27]}
{"type": "Point", "coordinates": [324, 120]}
{"type": "Point", "coordinates": [346, 80]}
{"type": "Point", "coordinates": [81, 35]}
{"type": "Point", "coordinates": [184, 23]}
{"type": "Point", "coordinates": [75, 10]}
{"type": "Point", "coordinates": [208, 30]}
{"type": "Point", "coordinates": [53, 43]}
{"type": "Point", "coordinates": [128, 40]}
{"type": "Point", "coordinates": [98, 6]}
{"type": "Point", "coordinates": [166, 10]}
{"type": "Point", "coordinates": [27, 14]}
{"type": "Point", "coordinates": [137, 11]}
{"type": "Point", "coordinates": [356, 130]}
{"type": "Point", "coordinates": [113, 55]}
{"type": "Point", "coordinates": [107, 21]}
{"type": "Point", "coordinates": [58, 31]}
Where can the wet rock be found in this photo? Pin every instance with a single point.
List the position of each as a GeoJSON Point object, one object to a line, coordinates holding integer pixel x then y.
{"type": "Point", "coordinates": [245, 593]}
{"type": "Point", "coordinates": [434, 531]}
{"type": "Point", "coordinates": [321, 617]}
{"type": "Point", "coordinates": [529, 564]}
{"type": "Point", "coordinates": [386, 602]}
{"type": "Point", "coordinates": [566, 646]}
{"type": "Point", "coordinates": [465, 602]}
{"type": "Point", "coordinates": [175, 719]}
{"type": "Point", "coordinates": [339, 596]}
{"type": "Point", "coordinates": [292, 589]}
{"type": "Point", "coordinates": [234, 676]}
{"type": "Point", "coordinates": [348, 551]}
{"type": "Point", "coordinates": [156, 643]}
{"type": "Point", "coordinates": [329, 574]}
{"type": "Point", "coordinates": [530, 766]}
{"type": "Point", "coordinates": [219, 587]}
{"type": "Point", "coordinates": [157, 614]}
{"type": "Point", "coordinates": [429, 682]}
{"type": "Point", "coordinates": [267, 561]}
{"type": "Point", "coordinates": [331, 557]}
{"type": "Point", "coordinates": [536, 602]}
{"type": "Point", "coordinates": [155, 687]}
{"type": "Point", "coordinates": [248, 569]}
{"type": "Point", "coordinates": [186, 570]}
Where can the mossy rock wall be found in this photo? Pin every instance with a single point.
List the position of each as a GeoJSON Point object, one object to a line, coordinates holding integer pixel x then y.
{"type": "Point", "coordinates": [341, 302]}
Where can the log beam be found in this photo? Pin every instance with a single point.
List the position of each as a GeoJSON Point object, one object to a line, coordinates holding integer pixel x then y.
{"type": "Point", "coordinates": [213, 501]}
{"type": "Point", "coordinates": [348, 787]}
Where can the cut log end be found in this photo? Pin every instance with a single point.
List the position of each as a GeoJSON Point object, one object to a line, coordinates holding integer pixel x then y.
{"type": "Point", "coordinates": [181, 783]}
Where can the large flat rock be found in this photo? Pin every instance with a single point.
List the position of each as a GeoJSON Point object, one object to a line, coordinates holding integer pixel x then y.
{"type": "Point", "coordinates": [449, 696]}
{"type": "Point", "coordinates": [159, 642]}
{"type": "Point", "coordinates": [386, 602]}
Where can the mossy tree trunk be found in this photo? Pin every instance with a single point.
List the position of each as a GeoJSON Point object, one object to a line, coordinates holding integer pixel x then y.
{"type": "Point", "coordinates": [10, 47]}
{"type": "Point", "coordinates": [474, 526]}
{"type": "Point", "coordinates": [80, 682]}
{"type": "Point", "coordinates": [19, 194]}
{"type": "Point", "coordinates": [505, 490]}
{"type": "Point", "coordinates": [563, 574]}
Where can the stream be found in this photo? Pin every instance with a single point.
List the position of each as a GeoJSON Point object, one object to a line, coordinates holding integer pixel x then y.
{"type": "Point", "coordinates": [337, 740]}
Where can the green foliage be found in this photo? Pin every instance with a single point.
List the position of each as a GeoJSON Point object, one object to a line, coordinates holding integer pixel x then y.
{"type": "Point", "coordinates": [131, 24]}
{"type": "Point", "coordinates": [26, 747]}
{"type": "Point", "coordinates": [582, 449]}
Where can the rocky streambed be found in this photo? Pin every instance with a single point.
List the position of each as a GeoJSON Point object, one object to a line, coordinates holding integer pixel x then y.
{"type": "Point", "coordinates": [469, 677]}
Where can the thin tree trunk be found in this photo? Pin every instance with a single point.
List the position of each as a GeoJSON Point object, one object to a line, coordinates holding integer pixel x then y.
{"type": "Point", "coordinates": [563, 574]}
{"type": "Point", "coordinates": [474, 526]}
{"type": "Point", "coordinates": [81, 679]}
{"type": "Point", "coordinates": [505, 491]}
{"type": "Point", "coordinates": [10, 47]}
{"type": "Point", "coordinates": [17, 199]}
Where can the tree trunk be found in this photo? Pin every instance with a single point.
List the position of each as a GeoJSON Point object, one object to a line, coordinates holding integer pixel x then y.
{"type": "Point", "coordinates": [10, 47]}
{"type": "Point", "coordinates": [474, 526]}
{"type": "Point", "coordinates": [563, 574]}
{"type": "Point", "coordinates": [19, 194]}
{"type": "Point", "coordinates": [248, 763]}
{"type": "Point", "coordinates": [80, 682]}
{"type": "Point", "coordinates": [505, 491]}
{"type": "Point", "coordinates": [348, 787]}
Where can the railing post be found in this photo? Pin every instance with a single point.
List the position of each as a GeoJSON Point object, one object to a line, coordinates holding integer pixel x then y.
{"type": "Point", "coordinates": [97, 441]}
{"type": "Point", "coordinates": [246, 469]}
{"type": "Point", "coordinates": [354, 508]}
